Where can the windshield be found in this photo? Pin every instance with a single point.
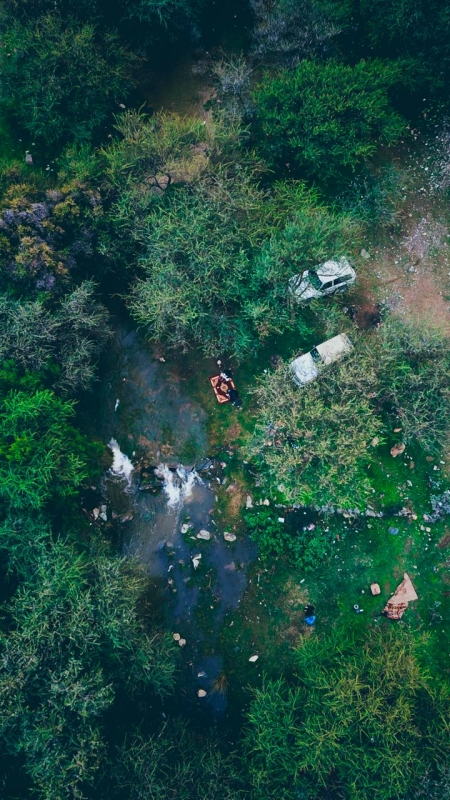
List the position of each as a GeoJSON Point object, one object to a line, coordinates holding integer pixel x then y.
{"type": "Point", "coordinates": [314, 279]}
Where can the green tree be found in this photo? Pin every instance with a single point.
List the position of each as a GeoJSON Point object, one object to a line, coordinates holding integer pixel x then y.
{"type": "Point", "coordinates": [323, 119]}
{"type": "Point", "coordinates": [75, 640]}
{"type": "Point", "coordinates": [285, 31]}
{"type": "Point", "coordinates": [60, 80]}
{"type": "Point", "coordinates": [177, 762]}
{"type": "Point", "coordinates": [361, 720]}
{"type": "Point", "coordinates": [315, 440]}
{"type": "Point", "coordinates": [214, 251]}
{"type": "Point", "coordinates": [42, 455]}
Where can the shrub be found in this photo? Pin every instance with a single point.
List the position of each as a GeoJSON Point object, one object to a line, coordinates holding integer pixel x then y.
{"type": "Point", "coordinates": [315, 440]}
{"type": "Point", "coordinates": [61, 81]}
{"type": "Point", "coordinates": [323, 119]}
{"type": "Point", "coordinates": [331, 733]}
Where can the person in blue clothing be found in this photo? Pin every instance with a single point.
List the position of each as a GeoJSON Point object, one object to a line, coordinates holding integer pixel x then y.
{"type": "Point", "coordinates": [310, 616]}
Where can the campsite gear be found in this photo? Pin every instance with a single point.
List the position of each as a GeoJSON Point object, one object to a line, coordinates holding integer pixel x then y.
{"type": "Point", "coordinates": [310, 620]}
{"type": "Point", "coordinates": [375, 588]}
{"type": "Point", "coordinates": [225, 390]}
{"type": "Point", "coordinates": [404, 594]}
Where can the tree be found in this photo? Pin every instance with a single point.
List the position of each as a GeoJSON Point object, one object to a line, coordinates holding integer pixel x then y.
{"type": "Point", "coordinates": [361, 720]}
{"type": "Point", "coordinates": [177, 762]}
{"type": "Point", "coordinates": [60, 80]}
{"type": "Point", "coordinates": [75, 640]}
{"type": "Point", "coordinates": [48, 234]}
{"type": "Point", "coordinates": [325, 119]}
{"type": "Point", "coordinates": [285, 31]}
{"type": "Point", "coordinates": [64, 344]}
{"type": "Point", "coordinates": [214, 250]}
{"type": "Point", "coordinates": [42, 455]}
{"type": "Point", "coordinates": [315, 440]}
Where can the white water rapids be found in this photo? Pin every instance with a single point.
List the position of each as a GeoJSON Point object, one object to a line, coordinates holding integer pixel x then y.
{"type": "Point", "coordinates": [121, 465]}
{"type": "Point", "coordinates": [178, 484]}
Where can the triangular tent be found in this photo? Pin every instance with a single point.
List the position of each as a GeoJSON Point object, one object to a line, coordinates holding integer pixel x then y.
{"type": "Point", "coordinates": [404, 594]}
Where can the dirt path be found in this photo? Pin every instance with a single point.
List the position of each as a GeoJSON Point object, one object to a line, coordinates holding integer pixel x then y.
{"type": "Point", "coordinates": [409, 268]}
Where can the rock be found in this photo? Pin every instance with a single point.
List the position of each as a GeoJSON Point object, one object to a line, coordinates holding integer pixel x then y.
{"type": "Point", "coordinates": [204, 535]}
{"type": "Point", "coordinates": [364, 253]}
{"type": "Point", "coordinates": [248, 502]}
{"type": "Point", "coordinates": [253, 659]}
{"type": "Point", "coordinates": [28, 158]}
{"type": "Point", "coordinates": [196, 560]}
{"type": "Point", "coordinates": [201, 693]}
{"type": "Point", "coordinates": [205, 465]}
{"type": "Point", "coordinates": [266, 502]}
{"type": "Point", "coordinates": [126, 517]}
{"type": "Point", "coordinates": [186, 526]}
{"type": "Point", "coordinates": [281, 519]}
{"type": "Point", "coordinates": [95, 512]}
{"type": "Point", "coordinates": [397, 430]}
{"type": "Point", "coordinates": [375, 588]}
{"type": "Point", "coordinates": [181, 642]}
{"type": "Point", "coordinates": [375, 441]}
{"type": "Point", "coordinates": [229, 537]}
{"type": "Point", "coordinates": [397, 449]}
{"type": "Point", "coordinates": [233, 487]}
{"type": "Point", "coordinates": [176, 637]}
{"type": "Point", "coordinates": [103, 516]}
{"type": "Point", "coordinates": [202, 674]}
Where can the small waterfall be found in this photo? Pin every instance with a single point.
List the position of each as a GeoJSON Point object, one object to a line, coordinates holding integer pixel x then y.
{"type": "Point", "coordinates": [177, 485]}
{"type": "Point", "coordinates": [121, 465]}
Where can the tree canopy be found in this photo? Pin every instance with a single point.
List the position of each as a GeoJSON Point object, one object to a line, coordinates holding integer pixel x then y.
{"type": "Point", "coordinates": [321, 119]}
{"type": "Point", "coordinates": [361, 720]}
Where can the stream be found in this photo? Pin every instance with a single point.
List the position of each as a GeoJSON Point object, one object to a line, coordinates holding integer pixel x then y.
{"type": "Point", "coordinates": [160, 494]}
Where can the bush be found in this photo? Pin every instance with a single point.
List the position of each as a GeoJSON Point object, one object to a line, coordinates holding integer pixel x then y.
{"type": "Point", "coordinates": [303, 545]}
{"type": "Point", "coordinates": [315, 440]}
{"type": "Point", "coordinates": [325, 119]}
{"type": "Point", "coordinates": [41, 455]}
{"type": "Point", "coordinates": [374, 199]}
{"type": "Point", "coordinates": [362, 720]}
{"type": "Point", "coordinates": [75, 641]}
{"type": "Point", "coordinates": [60, 80]}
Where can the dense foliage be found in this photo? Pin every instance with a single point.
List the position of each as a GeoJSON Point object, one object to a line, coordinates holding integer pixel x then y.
{"type": "Point", "coordinates": [315, 441]}
{"type": "Point", "coordinates": [60, 80]}
{"type": "Point", "coordinates": [188, 222]}
{"type": "Point", "coordinates": [214, 250]}
{"type": "Point", "coordinates": [323, 119]}
{"type": "Point", "coordinates": [361, 720]}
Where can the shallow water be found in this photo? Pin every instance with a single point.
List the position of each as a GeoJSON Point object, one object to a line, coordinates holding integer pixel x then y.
{"type": "Point", "coordinates": [151, 424]}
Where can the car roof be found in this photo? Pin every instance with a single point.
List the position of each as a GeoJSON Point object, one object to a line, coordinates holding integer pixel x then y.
{"type": "Point", "coordinates": [334, 348]}
{"type": "Point", "coordinates": [334, 268]}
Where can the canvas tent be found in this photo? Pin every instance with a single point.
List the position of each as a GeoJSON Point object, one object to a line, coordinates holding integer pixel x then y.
{"type": "Point", "coordinates": [404, 594]}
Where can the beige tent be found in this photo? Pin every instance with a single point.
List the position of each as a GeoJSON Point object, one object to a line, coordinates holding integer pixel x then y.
{"type": "Point", "coordinates": [404, 594]}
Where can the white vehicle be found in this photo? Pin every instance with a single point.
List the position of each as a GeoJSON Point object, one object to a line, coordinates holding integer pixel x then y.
{"type": "Point", "coordinates": [332, 276]}
{"type": "Point", "coordinates": [307, 367]}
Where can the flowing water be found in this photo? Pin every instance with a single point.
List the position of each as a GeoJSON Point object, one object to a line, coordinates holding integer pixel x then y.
{"type": "Point", "coordinates": [160, 502]}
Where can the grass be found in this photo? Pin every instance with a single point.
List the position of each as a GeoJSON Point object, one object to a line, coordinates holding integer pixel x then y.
{"type": "Point", "coordinates": [270, 621]}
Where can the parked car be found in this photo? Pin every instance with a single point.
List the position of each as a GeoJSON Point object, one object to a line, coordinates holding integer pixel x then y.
{"type": "Point", "coordinates": [332, 276]}
{"type": "Point", "coordinates": [307, 367]}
